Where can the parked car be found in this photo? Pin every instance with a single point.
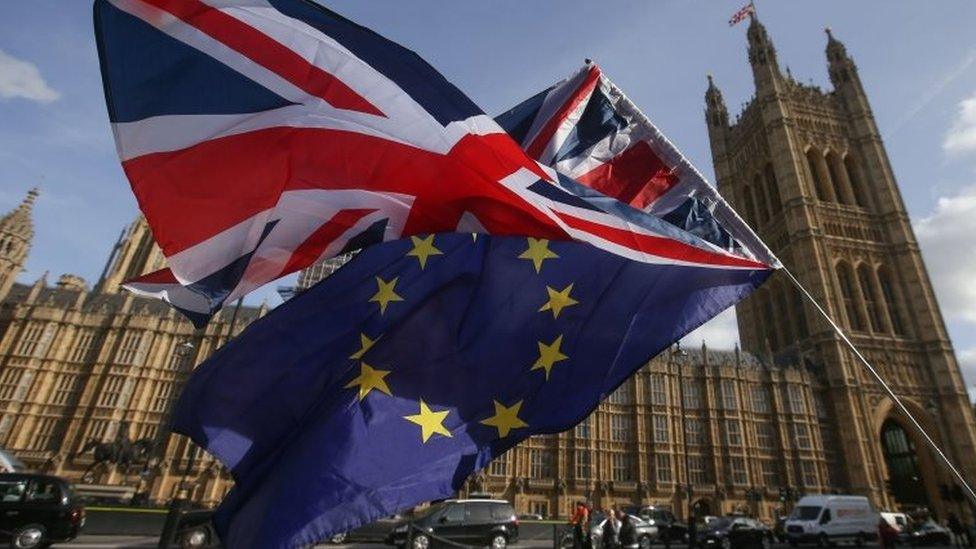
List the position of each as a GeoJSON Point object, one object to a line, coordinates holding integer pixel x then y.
{"type": "Point", "coordinates": [666, 523]}
{"type": "Point", "coordinates": [929, 533]}
{"type": "Point", "coordinates": [38, 510]}
{"type": "Point", "coordinates": [531, 516]}
{"type": "Point", "coordinates": [646, 532]}
{"type": "Point", "coordinates": [735, 533]}
{"type": "Point", "coordinates": [898, 521]}
{"type": "Point", "coordinates": [826, 519]}
{"type": "Point", "coordinates": [466, 521]}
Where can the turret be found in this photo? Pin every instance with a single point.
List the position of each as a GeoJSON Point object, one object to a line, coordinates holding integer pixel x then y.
{"type": "Point", "coordinates": [762, 57]}
{"type": "Point", "coordinates": [716, 118]}
{"type": "Point", "coordinates": [135, 253]}
{"type": "Point", "coordinates": [844, 77]}
{"type": "Point", "coordinates": [16, 234]}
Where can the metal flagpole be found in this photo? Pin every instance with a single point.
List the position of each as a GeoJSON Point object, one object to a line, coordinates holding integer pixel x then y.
{"type": "Point", "coordinates": [884, 385]}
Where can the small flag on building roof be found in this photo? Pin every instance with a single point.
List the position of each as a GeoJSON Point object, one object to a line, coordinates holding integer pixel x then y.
{"type": "Point", "coordinates": [746, 11]}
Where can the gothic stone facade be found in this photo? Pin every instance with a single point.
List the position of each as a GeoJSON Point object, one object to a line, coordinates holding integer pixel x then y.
{"type": "Point", "coordinates": [807, 169]}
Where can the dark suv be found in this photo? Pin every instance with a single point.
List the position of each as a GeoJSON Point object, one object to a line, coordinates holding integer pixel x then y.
{"type": "Point", "coordinates": [37, 510]}
{"type": "Point", "coordinates": [468, 521]}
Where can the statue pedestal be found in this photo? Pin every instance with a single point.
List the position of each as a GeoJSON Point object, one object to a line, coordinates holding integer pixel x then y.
{"type": "Point", "coordinates": [105, 492]}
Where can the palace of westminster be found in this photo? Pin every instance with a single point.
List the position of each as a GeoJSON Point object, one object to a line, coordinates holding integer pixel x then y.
{"type": "Point", "coordinates": [791, 409]}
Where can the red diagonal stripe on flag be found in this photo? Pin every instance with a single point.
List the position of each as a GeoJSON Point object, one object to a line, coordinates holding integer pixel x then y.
{"type": "Point", "coordinates": [538, 144]}
{"type": "Point", "coordinates": [313, 246]}
{"type": "Point", "coordinates": [267, 52]}
{"type": "Point", "coordinates": [658, 246]}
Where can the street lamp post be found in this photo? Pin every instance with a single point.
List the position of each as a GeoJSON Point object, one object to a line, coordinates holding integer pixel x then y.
{"type": "Point", "coordinates": [679, 357]}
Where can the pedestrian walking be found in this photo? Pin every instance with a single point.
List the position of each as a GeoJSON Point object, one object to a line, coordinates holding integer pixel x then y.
{"type": "Point", "coordinates": [579, 520]}
{"type": "Point", "coordinates": [611, 530]}
{"type": "Point", "coordinates": [628, 532]}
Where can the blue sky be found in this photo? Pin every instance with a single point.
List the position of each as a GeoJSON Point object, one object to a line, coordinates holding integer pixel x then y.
{"type": "Point", "coordinates": [918, 66]}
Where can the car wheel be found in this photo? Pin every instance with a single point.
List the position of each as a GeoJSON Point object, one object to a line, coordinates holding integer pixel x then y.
{"type": "Point", "coordinates": [498, 541]}
{"type": "Point", "coordinates": [338, 539]}
{"type": "Point", "coordinates": [644, 542]}
{"type": "Point", "coordinates": [823, 541]}
{"type": "Point", "coordinates": [765, 542]}
{"type": "Point", "coordinates": [859, 540]}
{"type": "Point", "coordinates": [726, 543]}
{"type": "Point", "coordinates": [421, 541]}
{"type": "Point", "coordinates": [28, 537]}
{"type": "Point", "coordinates": [198, 536]}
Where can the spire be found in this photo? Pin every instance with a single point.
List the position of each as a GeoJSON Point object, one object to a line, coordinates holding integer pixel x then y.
{"type": "Point", "coordinates": [715, 112]}
{"type": "Point", "coordinates": [834, 46]}
{"type": "Point", "coordinates": [18, 221]}
{"type": "Point", "coordinates": [762, 57]}
{"type": "Point", "coordinates": [840, 66]}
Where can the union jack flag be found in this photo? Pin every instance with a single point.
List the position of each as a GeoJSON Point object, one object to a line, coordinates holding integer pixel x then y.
{"type": "Point", "coordinates": [261, 136]}
{"type": "Point", "coordinates": [739, 16]}
{"type": "Point", "coordinates": [587, 129]}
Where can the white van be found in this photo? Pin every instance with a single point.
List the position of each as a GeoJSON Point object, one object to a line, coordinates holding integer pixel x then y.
{"type": "Point", "coordinates": [825, 519]}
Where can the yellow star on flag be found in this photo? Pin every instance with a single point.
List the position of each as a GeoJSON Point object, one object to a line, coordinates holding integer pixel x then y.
{"type": "Point", "coordinates": [505, 418]}
{"type": "Point", "coordinates": [430, 421]}
{"type": "Point", "coordinates": [385, 293]}
{"type": "Point", "coordinates": [368, 380]}
{"type": "Point", "coordinates": [538, 252]}
{"type": "Point", "coordinates": [423, 248]}
{"type": "Point", "coordinates": [549, 355]}
{"type": "Point", "coordinates": [558, 300]}
{"type": "Point", "coordinates": [365, 343]}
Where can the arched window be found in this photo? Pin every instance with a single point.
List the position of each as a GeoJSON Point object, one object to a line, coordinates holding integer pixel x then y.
{"type": "Point", "coordinates": [870, 299]}
{"type": "Point", "coordinates": [747, 208]}
{"type": "Point", "coordinates": [853, 175]}
{"type": "Point", "coordinates": [846, 280]}
{"type": "Point", "coordinates": [891, 301]}
{"type": "Point", "coordinates": [772, 187]}
{"type": "Point", "coordinates": [835, 178]}
{"type": "Point", "coordinates": [818, 183]}
{"type": "Point", "coordinates": [901, 458]}
{"type": "Point", "coordinates": [761, 205]}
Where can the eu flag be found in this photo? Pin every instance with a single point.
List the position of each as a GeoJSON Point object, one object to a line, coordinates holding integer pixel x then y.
{"type": "Point", "coordinates": [397, 377]}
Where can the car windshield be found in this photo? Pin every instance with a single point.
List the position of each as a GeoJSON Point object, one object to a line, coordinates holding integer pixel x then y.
{"type": "Point", "coordinates": [806, 512]}
{"type": "Point", "coordinates": [430, 511]}
{"type": "Point", "coordinates": [719, 524]}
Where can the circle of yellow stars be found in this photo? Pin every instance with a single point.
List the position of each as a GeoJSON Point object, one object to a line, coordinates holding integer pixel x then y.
{"type": "Point", "coordinates": [431, 421]}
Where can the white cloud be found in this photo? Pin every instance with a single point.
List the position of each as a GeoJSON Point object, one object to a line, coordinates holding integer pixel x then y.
{"type": "Point", "coordinates": [22, 79]}
{"type": "Point", "coordinates": [962, 136]}
{"type": "Point", "coordinates": [721, 332]}
{"type": "Point", "coordinates": [946, 238]}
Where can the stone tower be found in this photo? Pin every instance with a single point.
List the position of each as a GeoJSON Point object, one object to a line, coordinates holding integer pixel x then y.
{"type": "Point", "coordinates": [808, 170]}
{"type": "Point", "coordinates": [135, 253]}
{"type": "Point", "coordinates": [16, 233]}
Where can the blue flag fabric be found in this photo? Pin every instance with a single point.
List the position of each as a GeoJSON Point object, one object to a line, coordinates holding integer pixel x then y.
{"type": "Point", "coordinates": [390, 382]}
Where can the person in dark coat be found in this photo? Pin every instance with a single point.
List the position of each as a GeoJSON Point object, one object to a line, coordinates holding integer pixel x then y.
{"type": "Point", "coordinates": [610, 530]}
{"type": "Point", "coordinates": [628, 532]}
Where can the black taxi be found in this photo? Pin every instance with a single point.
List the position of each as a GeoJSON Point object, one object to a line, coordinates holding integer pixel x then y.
{"type": "Point", "coordinates": [37, 510]}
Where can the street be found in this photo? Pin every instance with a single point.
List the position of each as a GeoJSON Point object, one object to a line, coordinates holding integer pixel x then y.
{"type": "Point", "coordinates": [119, 542]}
